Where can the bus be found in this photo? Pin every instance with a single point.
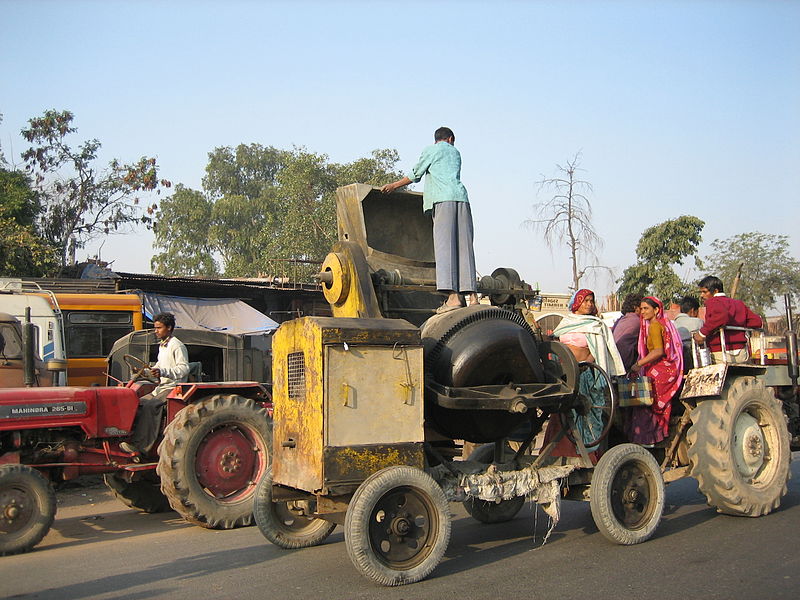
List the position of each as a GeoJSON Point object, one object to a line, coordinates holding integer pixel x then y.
{"type": "Point", "coordinates": [78, 327]}
{"type": "Point", "coordinates": [92, 323]}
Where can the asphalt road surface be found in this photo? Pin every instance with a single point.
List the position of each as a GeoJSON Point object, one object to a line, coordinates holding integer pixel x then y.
{"type": "Point", "coordinates": [100, 549]}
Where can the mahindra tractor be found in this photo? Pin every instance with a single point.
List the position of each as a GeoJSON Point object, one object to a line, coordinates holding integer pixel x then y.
{"type": "Point", "coordinates": [214, 447]}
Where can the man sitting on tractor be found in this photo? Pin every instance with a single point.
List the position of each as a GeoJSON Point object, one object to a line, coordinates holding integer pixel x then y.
{"type": "Point", "coordinates": [171, 368]}
{"type": "Point", "coordinates": [721, 312]}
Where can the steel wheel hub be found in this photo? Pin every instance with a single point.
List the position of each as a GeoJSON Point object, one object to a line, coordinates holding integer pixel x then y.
{"type": "Point", "coordinates": [16, 511]}
{"type": "Point", "coordinates": [749, 445]}
{"type": "Point", "coordinates": [400, 529]}
{"type": "Point", "coordinates": [227, 462]}
{"type": "Point", "coordinates": [631, 491]}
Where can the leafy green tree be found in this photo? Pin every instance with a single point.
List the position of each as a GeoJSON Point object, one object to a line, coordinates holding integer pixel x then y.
{"type": "Point", "coordinates": [80, 200]}
{"type": "Point", "coordinates": [768, 270]}
{"type": "Point", "coordinates": [660, 248]}
{"type": "Point", "coordinates": [185, 214]}
{"type": "Point", "coordinates": [23, 252]}
{"type": "Point", "coordinates": [566, 218]}
{"type": "Point", "coordinates": [267, 207]}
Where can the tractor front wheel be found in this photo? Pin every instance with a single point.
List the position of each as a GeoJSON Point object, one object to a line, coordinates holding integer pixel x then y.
{"type": "Point", "coordinates": [213, 454]}
{"type": "Point", "coordinates": [27, 508]}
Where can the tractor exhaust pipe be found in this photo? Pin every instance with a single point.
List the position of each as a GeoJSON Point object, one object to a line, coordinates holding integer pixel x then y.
{"type": "Point", "coordinates": [791, 342]}
{"type": "Point", "coordinates": [28, 337]}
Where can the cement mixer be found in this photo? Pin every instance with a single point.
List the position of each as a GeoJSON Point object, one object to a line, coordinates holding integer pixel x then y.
{"type": "Point", "coordinates": [373, 404]}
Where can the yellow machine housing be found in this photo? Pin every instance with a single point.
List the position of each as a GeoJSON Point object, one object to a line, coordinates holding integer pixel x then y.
{"type": "Point", "coordinates": [348, 397]}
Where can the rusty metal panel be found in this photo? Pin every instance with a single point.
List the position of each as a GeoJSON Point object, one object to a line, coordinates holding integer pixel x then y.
{"type": "Point", "coordinates": [368, 331]}
{"type": "Point", "coordinates": [373, 395]}
{"type": "Point", "coordinates": [353, 464]}
{"type": "Point", "coordinates": [391, 229]}
{"type": "Point", "coordinates": [297, 396]}
{"type": "Point", "coordinates": [705, 381]}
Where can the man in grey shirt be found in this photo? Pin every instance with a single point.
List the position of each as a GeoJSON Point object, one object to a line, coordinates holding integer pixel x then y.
{"type": "Point", "coordinates": [687, 322]}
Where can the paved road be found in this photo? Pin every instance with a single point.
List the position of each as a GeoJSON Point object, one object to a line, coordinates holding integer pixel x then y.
{"type": "Point", "coordinates": [100, 549]}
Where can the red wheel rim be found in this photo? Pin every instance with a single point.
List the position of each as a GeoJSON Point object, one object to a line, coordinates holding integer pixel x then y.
{"type": "Point", "coordinates": [229, 462]}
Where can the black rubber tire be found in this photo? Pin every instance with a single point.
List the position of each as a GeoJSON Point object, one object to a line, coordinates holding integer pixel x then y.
{"type": "Point", "coordinates": [281, 526]}
{"type": "Point", "coordinates": [27, 508]}
{"type": "Point", "coordinates": [143, 494]}
{"type": "Point", "coordinates": [486, 511]}
{"type": "Point", "coordinates": [418, 517]}
{"type": "Point", "coordinates": [627, 494]}
{"type": "Point", "coordinates": [211, 459]}
{"type": "Point", "coordinates": [742, 472]}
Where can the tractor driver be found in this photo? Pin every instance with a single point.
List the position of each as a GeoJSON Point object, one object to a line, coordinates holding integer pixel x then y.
{"type": "Point", "coordinates": [172, 368]}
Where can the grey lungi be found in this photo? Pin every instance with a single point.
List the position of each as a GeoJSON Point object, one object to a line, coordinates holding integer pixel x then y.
{"type": "Point", "coordinates": [452, 246]}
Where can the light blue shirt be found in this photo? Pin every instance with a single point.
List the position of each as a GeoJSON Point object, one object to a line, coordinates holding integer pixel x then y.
{"type": "Point", "coordinates": [441, 166]}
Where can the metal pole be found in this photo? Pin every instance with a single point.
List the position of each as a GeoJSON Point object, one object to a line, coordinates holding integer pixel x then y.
{"type": "Point", "coordinates": [27, 353]}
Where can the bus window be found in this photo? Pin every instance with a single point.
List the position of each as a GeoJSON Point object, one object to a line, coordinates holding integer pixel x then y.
{"type": "Point", "coordinates": [91, 334]}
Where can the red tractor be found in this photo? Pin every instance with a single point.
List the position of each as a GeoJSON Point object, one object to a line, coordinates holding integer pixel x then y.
{"type": "Point", "coordinates": [215, 447]}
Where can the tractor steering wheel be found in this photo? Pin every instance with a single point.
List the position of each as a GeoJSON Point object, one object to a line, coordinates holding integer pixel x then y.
{"type": "Point", "coordinates": [139, 369]}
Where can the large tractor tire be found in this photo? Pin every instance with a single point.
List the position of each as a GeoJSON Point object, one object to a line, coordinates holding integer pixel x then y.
{"type": "Point", "coordinates": [627, 494]}
{"type": "Point", "coordinates": [283, 524]}
{"type": "Point", "coordinates": [739, 449]}
{"type": "Point", "coordinates": [484, 510]}
{"type": "Point", "coordinates": [212, 457]}
{"type": "Point", "coordinates": [27, 508]}
{"type": "Point", "coordinates": [397, 526]}
{"type": "Point", "coordinates": [143, 494]}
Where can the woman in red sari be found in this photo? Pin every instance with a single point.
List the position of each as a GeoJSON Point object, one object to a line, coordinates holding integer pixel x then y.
{"type": "Point", "coordinates": [660, 359]}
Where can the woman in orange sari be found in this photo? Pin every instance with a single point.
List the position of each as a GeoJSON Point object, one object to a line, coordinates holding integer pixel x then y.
{"type": "Point", "coordinates": [661, 360]}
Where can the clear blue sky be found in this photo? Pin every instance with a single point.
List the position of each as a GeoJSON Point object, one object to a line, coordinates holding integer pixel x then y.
{"type": "Point", "coordinates": [677, 107]}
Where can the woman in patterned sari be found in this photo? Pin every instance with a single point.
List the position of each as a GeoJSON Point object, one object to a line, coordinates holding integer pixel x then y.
{"type": "Point", "coordinates": [660, 359]}
{"type": "Point", "coordinates": [590, 340]}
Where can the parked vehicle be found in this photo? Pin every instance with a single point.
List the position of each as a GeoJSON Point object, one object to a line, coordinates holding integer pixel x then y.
{"type": "Point", "coordinates": [215, 445]}
{"type": "Point", "coordinates": [80, 328]}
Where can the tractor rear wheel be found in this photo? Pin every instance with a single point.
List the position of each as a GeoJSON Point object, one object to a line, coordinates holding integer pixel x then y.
{"type": "Point", "coordinates": [739, 449]}
{"type": "Point", "coordinates": [213, 454]}
{"type": "Point", "coordinates": [27, 508]}
{"type": "Point", "coordinates": [143, 494]}
{"type": "Point", "coordinates": [397, 526]}
{"type": "Point", "coordinates": [486, 511]}
{"type": "Point", "coordinates": [283, 524]}
{"type": "Point", "coordinates": [627, 494]}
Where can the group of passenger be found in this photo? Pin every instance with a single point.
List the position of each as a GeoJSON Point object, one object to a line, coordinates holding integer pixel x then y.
{"type": "Point", "coordinates": [645, 341]}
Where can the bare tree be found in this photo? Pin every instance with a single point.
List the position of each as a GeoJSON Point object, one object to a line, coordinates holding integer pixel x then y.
{"type": "Point", "coordinates": [567, 217]}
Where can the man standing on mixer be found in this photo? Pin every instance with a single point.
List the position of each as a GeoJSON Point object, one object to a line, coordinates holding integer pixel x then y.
{"type": "Point", "coordinates": [446, 197]}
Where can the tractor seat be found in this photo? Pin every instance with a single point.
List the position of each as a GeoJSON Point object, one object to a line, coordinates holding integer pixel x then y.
{"type": "Point", "coordinates": [195, 372]}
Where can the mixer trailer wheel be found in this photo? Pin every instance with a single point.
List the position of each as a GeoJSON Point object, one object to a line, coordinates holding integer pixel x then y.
{"type": "Point", "coordinates": [397, 526]}
{"type": "Point", "coordinates": [627, 494]}
{"type": "Point", "coordinates": [487, 511]}
{"type": "Point", "coordinates": [283, 523]}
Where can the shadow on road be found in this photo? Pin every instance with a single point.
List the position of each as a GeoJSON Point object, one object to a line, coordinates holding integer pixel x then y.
{"type": "Point", "coordinates": [173, 571]}
{"type": "Point", "coordinates": [75, 531]}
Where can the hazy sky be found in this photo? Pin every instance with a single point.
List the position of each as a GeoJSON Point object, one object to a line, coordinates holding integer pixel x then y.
{"type": "Point", "coordinates": [677, 107]}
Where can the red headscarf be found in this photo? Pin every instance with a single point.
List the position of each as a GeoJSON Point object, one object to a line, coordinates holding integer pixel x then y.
{"type": "Point", "coordinates": [578, 298]}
